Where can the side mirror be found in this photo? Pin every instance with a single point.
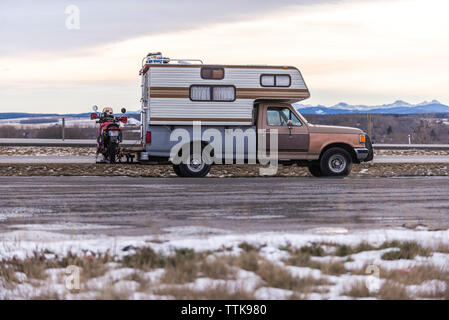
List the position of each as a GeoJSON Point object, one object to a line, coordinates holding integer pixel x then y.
{"type": "Point", "coordinates": [93, 116]}
{"type": "Point", "coordinates": [123, 110]}
{"type": "Point", "coordinates": [290, 123]}
{"type": "Point", "coordinates": [124, 119]}
{"type": "Point", "coordinates": [95, 108]}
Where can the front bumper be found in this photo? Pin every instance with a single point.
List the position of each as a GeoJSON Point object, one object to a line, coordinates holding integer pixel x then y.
{"type": "Point", "coordinates": [367, 153]}
{"type": "Point", "coordinates": [362, 153]}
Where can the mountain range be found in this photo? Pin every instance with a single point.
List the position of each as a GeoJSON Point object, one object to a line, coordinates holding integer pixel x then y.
{"type": "Point", "coordinates": [397, 107]}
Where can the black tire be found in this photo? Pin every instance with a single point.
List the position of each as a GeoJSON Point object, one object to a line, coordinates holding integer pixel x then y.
{"type": "Point", "coordinates": [177, 170]}
{"type": "Point", "coordinates": [336, 162]}
{"type": "Point", "coordinates": [194, 170]}
{"type": "Point", "coordinates": [112, 152]}
{"type": "Point", "coordinates": [315, 169]}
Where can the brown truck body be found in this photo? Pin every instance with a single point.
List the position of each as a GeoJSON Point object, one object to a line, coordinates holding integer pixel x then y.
{"type": "Point", "coordinates": [306, 141]}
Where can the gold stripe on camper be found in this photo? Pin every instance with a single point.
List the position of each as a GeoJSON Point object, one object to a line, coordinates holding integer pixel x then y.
{"type": "Point", "coordinates": [169, 92]}
{"type": "Point", "coordinates": [241, 93]}
{"type": "Point", "coordinates": [250, 93]}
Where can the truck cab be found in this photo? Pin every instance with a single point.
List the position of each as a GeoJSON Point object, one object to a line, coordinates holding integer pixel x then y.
{"type": "Point", "coordinates": [326, 150]}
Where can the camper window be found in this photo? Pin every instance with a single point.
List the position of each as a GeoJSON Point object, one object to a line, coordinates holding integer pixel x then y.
{"type": "Point", "coordinates": [212, 73]}
{"type": "Point", "coordinates": [212, 93]}
{"type": "Point", "coordinates": [275, 80]}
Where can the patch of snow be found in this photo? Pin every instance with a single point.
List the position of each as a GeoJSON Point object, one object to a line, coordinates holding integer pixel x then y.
{"type": "Point", "coordinates": [267, 293]}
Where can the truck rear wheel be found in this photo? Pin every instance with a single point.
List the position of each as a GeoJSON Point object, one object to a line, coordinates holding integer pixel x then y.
{"type": "Point", "coordinates": [336, 162]}
{"type": "Point", "coordinates": [177, 170]}
{"type": "Point", "coordinates": [195, 167]}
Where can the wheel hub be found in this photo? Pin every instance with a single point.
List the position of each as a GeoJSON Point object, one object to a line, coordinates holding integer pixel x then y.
{"type": "Point", "coordinates": [337, 163]}
{"type": "Point", "coordinates": [195, 164]}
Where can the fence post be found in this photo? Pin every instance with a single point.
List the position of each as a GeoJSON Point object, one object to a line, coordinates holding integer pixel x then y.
{"type": "Point", "coordinates": [63, 129]}
{"type": "Point", "coordinates": [370, 126]}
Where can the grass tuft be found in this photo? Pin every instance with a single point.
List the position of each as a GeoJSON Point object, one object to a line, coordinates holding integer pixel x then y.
{"type": "Point", "coordinates": [407, 250]}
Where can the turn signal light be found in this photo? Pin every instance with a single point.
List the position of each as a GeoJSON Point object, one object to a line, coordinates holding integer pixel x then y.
{"type": "Point", "coordinates": [148, 137]}
{"type": "Point", "coordinates": [362, 138]}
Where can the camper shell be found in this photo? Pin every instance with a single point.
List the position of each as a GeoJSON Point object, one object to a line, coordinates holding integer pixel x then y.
{"type": "Point", "coordinates": [177, 93]}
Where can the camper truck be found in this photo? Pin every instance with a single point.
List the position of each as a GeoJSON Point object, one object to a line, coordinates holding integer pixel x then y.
{"type": "Point", "coordinates": [179, 95]}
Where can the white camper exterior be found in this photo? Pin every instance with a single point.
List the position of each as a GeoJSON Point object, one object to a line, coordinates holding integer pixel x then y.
{"type": "Point", "coordinates": [178, 94]}
{"type": "Point", "coordinates": [193, 112]}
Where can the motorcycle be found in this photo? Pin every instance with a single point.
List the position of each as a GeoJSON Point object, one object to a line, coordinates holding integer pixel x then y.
{"type": "Point", "coordinates": [110, 134]}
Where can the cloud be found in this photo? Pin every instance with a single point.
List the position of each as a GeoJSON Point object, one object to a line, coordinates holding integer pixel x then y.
{"type": "Point", "coordinates": [41, 25]}
{"type": "Point", "coordinates": [360, 52]}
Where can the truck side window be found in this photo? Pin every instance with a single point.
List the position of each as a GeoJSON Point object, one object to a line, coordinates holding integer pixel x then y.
{"type": "Point", "coordinates": [278, 117]}
{"type": "Point", "coordinates": [291, 116]}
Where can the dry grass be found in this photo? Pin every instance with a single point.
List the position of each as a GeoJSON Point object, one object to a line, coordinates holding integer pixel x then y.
{"type": "Point", "coordinates": [345, 250]}
{"type": "Point", "coordinates": [245, 246]}
{"type": "Point", "coordinates": [182, 267]}
{"type": "Point", "coordinates": [111, 293]}
{"type": "Point", "coordinates": [357, 289]}
{"type": "Point", "coordinates": [247, 261]}
{"type": "Point", "coordinates": [217, 268]}
{"type": "Point", "coordinates": [278, 277]}
{"type": "Point", "coordinates": [7, 275]}
{"type": "Point", "coordinates": [407, 250]}
{"type": "Point", "coordinates": [416, 275]}
{"type": "Point", "coordinates": [302, 257]}
{"type": "Point", "coordinates": [144, 259]}
{"type": "Point", "coordinates": [333, 268]}
{"type": "Point", "coordinates": [212, 293]}
{"type": "Point", "coordinates": [144, 284]}
{"type": "Point", "coordinates": [392, 291]}
{"type": "Point", "coordinates": [34, 267]}
{"type": "Point", "coordinates": [93, 265]}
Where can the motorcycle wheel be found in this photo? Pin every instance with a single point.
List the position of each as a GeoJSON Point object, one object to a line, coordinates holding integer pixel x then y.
{"type": "Point", "coordinates": [112, 152]}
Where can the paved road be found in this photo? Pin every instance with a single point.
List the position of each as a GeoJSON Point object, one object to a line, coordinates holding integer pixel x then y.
{"type": "Point", "coordinates": [142, 206]}
{"type": "Point", "coordinates": [91, 159]}
{"type": "Point", "coordinates": [411, 159]}
{"type": "Point", "coordinates": [92, 142]}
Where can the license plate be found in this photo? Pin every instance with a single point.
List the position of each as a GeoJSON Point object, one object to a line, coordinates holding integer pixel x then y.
{"type": "Point", "coordinates": [113, 133]}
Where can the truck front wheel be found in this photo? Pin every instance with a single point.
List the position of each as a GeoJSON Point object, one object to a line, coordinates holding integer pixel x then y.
{"type": "Point", "coordinates": [336, 162]}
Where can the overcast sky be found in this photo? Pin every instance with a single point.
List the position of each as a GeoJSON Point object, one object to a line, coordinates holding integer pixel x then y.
{"type": "Point", "coordinates": [360, 52]}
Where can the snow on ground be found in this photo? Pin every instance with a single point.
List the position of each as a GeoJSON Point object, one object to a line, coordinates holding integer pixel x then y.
{"type": "Point", "coordinates": [23, 242]}
{"type": "Point", "coordinates": [39, 237]}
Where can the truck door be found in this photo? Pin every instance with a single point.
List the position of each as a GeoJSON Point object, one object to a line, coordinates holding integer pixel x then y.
{"type": "Point", "coordinates": [291, 139]}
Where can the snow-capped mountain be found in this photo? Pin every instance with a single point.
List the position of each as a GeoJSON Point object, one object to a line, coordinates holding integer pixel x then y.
{"type": "Point", "coordinates": [397, 107]}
